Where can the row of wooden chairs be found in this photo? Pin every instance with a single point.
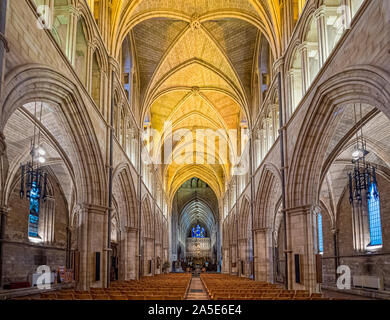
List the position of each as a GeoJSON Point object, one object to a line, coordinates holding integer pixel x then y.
{"type": "Point", "coordinates": [162, 287]}
{"type": "Point", "coordinates": [226, 287]}
{"type": "Point", "coordinates": [88, 296]}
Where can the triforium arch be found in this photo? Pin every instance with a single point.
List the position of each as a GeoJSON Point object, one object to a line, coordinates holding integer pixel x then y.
{"type": "Point", "coordinates": [362, 85]}
{"type": "Point", "coordinates": [125, 198]}
{"type": "Point", "coordinates": [245, 238]}
{"type": "Point", "coordinates": [74, 140]}
{"type": "Point", "coordinates": [35, 82]}
{"type": "Point", "coordinates": [325, 130]}
{"type": "Point", "coordinates": [267, 203]}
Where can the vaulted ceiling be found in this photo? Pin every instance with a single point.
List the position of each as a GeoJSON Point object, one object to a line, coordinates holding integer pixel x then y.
{"type": "Point", "coordinates": [195, 61]}
{"type": "Point", "coordinates": [195, 203]}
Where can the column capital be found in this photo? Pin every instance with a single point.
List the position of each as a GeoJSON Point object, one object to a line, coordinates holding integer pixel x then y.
{"type": "Point", "coordinates": [278, 64]}
{"type": "Point", "coordinates": [265, 229]}
{"type": "Point", "coordinates": [130, 229]}
{"type": "Point", "coordinates": [4, 211]}
{"type": "Point", "coordinates": [320, 12]}
{"type": "Point", "coordinates": [334, 230]}
{"type": "Point", "coordinates": [265, 121]}
{"type": "Point", "coordinates": [304, 209]}
{"type": "Point", "coordinates": [303, 47]}
{"type": "Point", "coordinates": [114, 64]}
{"type": "Point", "coordinates": [91, 45]}
{"type": "Point", "coordinates": [293, 72]}
{"type": "Point", "coordinates": [93, 208]}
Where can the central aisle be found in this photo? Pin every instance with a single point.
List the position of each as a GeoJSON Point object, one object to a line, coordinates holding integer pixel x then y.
{"type": "Point", "coordinates": [197, 290]}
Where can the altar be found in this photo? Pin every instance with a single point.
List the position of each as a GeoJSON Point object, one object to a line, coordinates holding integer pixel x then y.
{"type": "Point", "coordinates": [198, 250]}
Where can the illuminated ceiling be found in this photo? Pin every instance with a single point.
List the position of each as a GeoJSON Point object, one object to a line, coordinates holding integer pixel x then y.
{"type": "Point", "coordinates": [195, 61]}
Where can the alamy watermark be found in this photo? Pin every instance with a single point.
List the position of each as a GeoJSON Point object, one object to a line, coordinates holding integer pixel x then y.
{"type": "Point", "coordinates": [344, 280]}
{"type": "Point", "coordinates": [44, 281]}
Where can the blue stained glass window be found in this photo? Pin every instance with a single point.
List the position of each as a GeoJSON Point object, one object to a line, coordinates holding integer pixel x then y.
{"type": "Point", "coordinates": [374, 214]}
{"type": "Point", "coordinates": [198, 232]}
{"type": "Point", "coordinates": [320, 235]}
{"type": "Point", "coordinates": [33, 223]}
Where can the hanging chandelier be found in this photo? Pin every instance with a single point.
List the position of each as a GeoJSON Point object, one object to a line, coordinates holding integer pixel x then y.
{"type": "Point", "coordinates": [362, 175]}
{"type": "Point", "coordinates": [34, 180]}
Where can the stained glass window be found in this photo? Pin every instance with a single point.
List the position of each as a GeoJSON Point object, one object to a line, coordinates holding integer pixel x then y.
{"type": "Point", "coordinates": [34, 211]}
{"type": "Point", "coordinates": [320, 235]}
{"type": "Point", "coordinates": [193, 232]}
{"type": "Point", "coordinates": [374, 214]}
{"type": "Point", "coordinates": [198, 232]}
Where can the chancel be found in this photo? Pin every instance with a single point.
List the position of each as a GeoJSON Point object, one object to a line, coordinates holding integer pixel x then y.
{"type": "Point", "coordinates": [194, 150]}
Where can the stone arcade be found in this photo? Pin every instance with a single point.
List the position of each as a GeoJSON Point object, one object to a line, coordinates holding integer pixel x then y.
{"type": "Point", "coordinates": [216, 134]}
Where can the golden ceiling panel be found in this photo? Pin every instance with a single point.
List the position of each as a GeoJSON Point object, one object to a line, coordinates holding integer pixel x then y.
{"type": "Point", "coordinates": [176, 175]}
{"type": "Point", "coordinates": [192, 7]}
{"type": "Point", "coordinates": [237, 38]}
{"type": "Point", "coordinates": [196, 74]}
{"type": "Point", "coordinates": [226, 106]}
{"type": "Point", "coordinates": [163, 106]}
{"type": "Point", "coordinates": [195, 104]}
{"type": "Point", "coordinates": [152, 39]}
{"type": "Point", "coordinates": [196, 44]}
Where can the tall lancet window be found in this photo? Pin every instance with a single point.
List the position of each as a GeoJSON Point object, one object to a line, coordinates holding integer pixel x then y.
{"type": "Point", "coordinates": [374, 214]}
{"type": "Point", "coordinates": [320, 234]}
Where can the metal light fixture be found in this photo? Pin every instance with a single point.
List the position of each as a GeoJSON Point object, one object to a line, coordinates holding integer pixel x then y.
{"type": "Point", "coordinates": [363, 174]}
{"type": "Point", "coordinates": [34, 187]}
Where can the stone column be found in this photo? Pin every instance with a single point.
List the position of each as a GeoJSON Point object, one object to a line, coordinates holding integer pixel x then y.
{"type": "Point", "coordinates": [266, 136]}
{"type": "Point", "coordinates": [263, 255]}
{"type": "Point", "coordinates": [289, 103]}
{"type": "Point", "coordinates": [301, 236]}
{"type": "Point", "coordinates": [288, 23]}
{"type": "Point", "coordinates": [270, 132]}
{"type": "Point", "coordinates": [104, 17]}
{"type": "Point", "coordinates": [303, 48]}
{"type": "Point", "coordinates": [346, 6]}
{"type": "Point", "coordinates": [3, 40]}
{"type": "Point", "coordinates": [92, 238]}
{"type": "Point", "coordinates": [70, 50]}
{"type": "Point", "coordinates": [275, 121]}
{"type": "Point", "coordinates": [293, 75]}
{"type": "Point", "coordinates": [279, 67]}
{"type": "Point", "coordinates": [264, 145]}
{"type": "Point", "coordinates": [3, 224]}
{"type": "Point", "coordinates": [90, 53]}
{"type": "Point", "coordinates": [239, 140]}
{"type": "Point", "coordinates": [322, 34]}
{"type": "Point", "coordinates": [129, 258]}
{"type": "Point", "coordinates": [257, 149]}
{"type": "Point", "coordinates": [124, 134]}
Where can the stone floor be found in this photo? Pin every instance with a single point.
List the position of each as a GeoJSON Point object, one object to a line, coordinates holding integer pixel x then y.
{"type": "Point", "coordinates": [197, 290]}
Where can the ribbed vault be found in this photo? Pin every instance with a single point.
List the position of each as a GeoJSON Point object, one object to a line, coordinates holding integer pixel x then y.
{"type": "Point", "coordinates": [196, 212]}
{"type": "Point", "coordinates": [195, 62]}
